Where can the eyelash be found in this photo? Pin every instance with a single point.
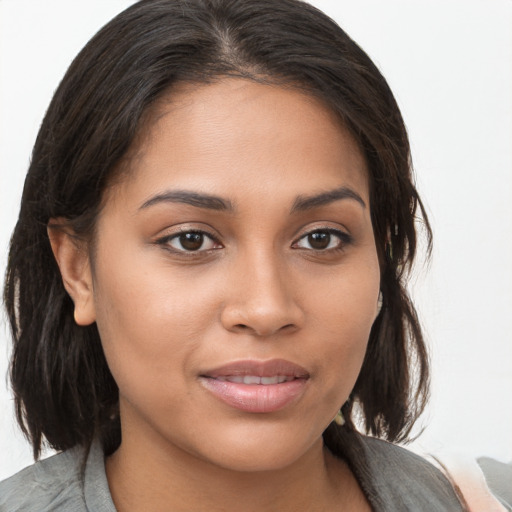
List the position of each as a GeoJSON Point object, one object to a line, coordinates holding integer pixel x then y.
{"type": "Point", "coordinates": [166, 242]}
{"type": "Point", "coordinates": [344, 239]}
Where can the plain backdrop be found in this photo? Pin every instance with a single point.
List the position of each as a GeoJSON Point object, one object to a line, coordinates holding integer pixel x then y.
{"type": "Point", "coordinates": [449, 64]}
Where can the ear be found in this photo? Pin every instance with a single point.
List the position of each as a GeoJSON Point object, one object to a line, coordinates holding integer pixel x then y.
{"type": "Point", "coordinates": [73, 260]}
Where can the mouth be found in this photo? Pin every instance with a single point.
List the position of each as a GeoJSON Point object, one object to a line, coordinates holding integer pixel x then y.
{"type": "Point", "coordinates": [257, 386]}
{"type": "Point", "coordinates": [255, 379]}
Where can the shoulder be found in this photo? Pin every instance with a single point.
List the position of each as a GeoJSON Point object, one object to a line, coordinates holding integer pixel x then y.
{"type": "Point", "coordinates": [403, 480]}
{"type": "Point", "coordinates": [485, 486]}
{"type": "Point", "coordinates": [498, 476]}
{"type": "Point", "coordinates": [53, 484]}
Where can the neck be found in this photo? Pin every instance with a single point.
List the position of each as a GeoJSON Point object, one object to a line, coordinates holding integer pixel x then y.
{"type": "Point", "coordinates": [159, 477]}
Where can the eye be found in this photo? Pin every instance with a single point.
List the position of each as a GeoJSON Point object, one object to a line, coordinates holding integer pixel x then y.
{"type": "Point", "coordinates": [190, 241]}
{"type": "Point", "coordinates": [323, 240]}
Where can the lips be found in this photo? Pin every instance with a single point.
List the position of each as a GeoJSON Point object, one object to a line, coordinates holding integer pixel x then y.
{"type": "Point", "coordinates": [254, 379]}
{"type": "Point", "coordinates": [256, 386]}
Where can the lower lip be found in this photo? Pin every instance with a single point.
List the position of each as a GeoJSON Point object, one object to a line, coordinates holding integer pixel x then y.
{"type": "Point", "coordinates": [256, 397]}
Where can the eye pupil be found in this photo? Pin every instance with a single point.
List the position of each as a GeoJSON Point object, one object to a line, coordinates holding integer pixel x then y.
{"type": "Point", "coordinates": [191, 241]}
{"type": "Point", "coordinates": [319, 239]}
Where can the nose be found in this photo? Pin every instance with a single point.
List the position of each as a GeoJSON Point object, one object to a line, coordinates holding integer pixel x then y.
{"type": "Point", "coordinates": [261, 299]}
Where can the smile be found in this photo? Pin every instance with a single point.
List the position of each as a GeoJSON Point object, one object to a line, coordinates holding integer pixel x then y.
{"type": "Point", "coordinates": [256, 387]}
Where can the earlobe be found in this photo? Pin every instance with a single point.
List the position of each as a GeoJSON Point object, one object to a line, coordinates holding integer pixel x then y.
{"type": "Point", "coordinates": [380, 302]}
{"type": "Point", "coordinates": [72, 258]}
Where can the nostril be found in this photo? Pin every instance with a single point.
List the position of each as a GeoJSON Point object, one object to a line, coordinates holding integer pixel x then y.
{"type": "Point", "coordinates": [264, 332]}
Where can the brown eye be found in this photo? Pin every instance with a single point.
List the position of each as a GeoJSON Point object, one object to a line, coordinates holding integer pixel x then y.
{"type": "Point", "coordinates": [191, 241]}
{"type": "Point", "coordinates": [323, 240]}
{"type": "Point", "coordinates": [319, 240]}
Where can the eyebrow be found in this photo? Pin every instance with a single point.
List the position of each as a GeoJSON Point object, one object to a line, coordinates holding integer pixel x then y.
{"type": "Point", "coordinates": [303, 203]}
{"type": "Point", "coordinates": [206, 201]}
{"type": "Point", "coordinates": [211, 202]}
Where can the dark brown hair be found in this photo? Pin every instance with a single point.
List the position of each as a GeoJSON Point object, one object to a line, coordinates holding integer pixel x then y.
{"type": "Point", "coordinates": [64, 391]}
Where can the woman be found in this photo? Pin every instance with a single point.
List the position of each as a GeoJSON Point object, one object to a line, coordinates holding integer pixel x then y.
{"type": "Point", "coordinates": [206, 282]}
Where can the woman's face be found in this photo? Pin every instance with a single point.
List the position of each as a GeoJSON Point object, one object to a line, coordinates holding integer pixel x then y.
{"type": "Point", "coordinates": [235, 277]}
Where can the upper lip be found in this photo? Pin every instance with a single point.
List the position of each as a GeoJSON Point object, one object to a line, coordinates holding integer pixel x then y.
{"type": "Point", "coordinates": [268, 368]}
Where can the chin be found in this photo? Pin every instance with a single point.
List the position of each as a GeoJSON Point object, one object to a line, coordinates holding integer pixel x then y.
{"type": "Point", "coordinates": [260, 449]}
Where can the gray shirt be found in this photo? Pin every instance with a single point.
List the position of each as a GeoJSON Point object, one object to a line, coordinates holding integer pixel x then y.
{"type": "Point", "coordinates": [392, 478]}
{"type": "Point", "coordinates": [67, 482]}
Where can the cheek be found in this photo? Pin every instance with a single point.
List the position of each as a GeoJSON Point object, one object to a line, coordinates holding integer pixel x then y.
{"type": "Point", "coordinates": [147, 346]}
{"type": "Point", "coordinates": [151, 321]}
{"type": "Point", "coordinates": [344, 311]}
{"type": "Point", "coordinates": [345, 299]}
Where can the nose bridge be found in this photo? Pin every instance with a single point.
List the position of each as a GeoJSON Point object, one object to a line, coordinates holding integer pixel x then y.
{"type": "Point", "coordinates": [262, 298]}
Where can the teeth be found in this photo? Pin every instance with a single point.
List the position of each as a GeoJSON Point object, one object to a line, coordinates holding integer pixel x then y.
{"type": "Point", "coordinates": [231, 378]}
{"type": "Point", "coordinates": [254, 379]}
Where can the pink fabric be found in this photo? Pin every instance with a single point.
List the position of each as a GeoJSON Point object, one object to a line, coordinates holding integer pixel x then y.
{"type": "Point", "coordinates": [469, 482]}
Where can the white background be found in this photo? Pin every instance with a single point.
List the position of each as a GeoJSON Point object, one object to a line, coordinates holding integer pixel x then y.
{"type": "Point", "coordinates": [449, 64]}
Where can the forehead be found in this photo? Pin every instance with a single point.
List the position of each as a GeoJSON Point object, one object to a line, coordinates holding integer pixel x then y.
{"type": "Point", "coordinates": [237, 131]}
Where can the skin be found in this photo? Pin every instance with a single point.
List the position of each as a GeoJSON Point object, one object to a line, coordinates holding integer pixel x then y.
{"type": "Point", "coordinates": [256, 289]}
